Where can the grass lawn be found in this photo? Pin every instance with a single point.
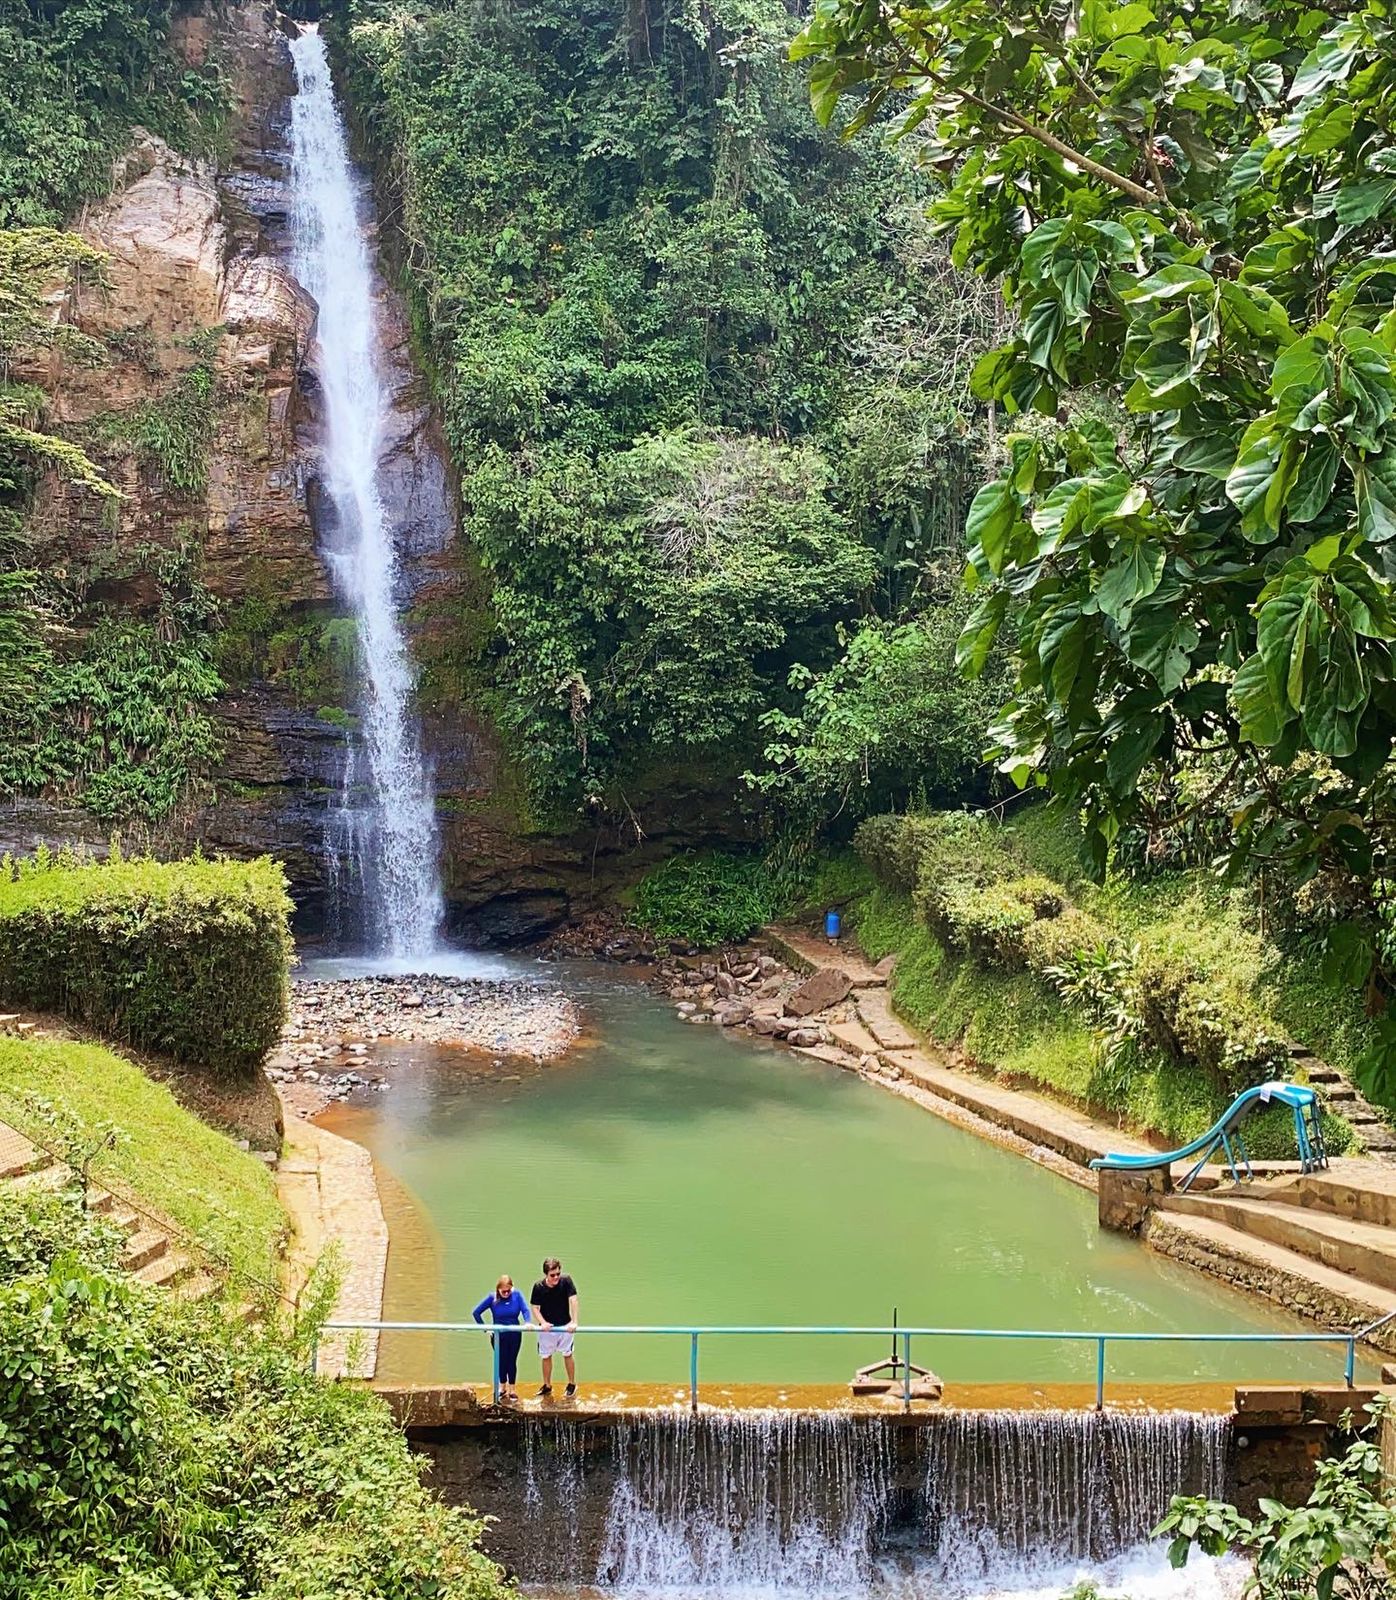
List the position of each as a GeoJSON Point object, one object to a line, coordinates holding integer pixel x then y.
{"type": "Point", "coordinates": [164, 1156]}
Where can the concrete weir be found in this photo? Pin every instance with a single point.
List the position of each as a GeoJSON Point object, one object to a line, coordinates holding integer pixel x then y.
{"type": "Point", "coordinates": [633, 1495]}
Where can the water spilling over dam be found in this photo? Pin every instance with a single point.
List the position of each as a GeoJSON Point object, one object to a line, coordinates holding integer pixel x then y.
{"type": "Point", "coordinates": [385, 827]}
{"type": "Point", "coordinates": [947, 1503]}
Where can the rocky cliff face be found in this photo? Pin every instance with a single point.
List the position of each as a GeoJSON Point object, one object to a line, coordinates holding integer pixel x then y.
{"type": "Point", "coordinates": [198, 291]}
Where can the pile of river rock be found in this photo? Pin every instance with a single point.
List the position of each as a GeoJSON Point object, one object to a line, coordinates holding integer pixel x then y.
{"type": "Point", "coordinates": [335, 1024]}
{"type": "Point", "coordinates": [747, 987]}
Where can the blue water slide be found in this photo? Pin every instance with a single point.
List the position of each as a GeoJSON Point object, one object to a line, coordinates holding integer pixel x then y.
{"type": "Point", "coordinates": [1225, 1134]}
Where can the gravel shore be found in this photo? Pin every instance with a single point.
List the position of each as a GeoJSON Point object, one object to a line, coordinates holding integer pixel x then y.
{"type": "Point", "coordinates": [333, 1039]}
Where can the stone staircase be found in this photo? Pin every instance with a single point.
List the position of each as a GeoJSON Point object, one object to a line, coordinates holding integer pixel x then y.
{"type": "Point", "coordinates": [1344, 1098]}
{"type": "Point", "coordinates": [149, 1254]}
{"type": "Point", "coordinates": [1322, 1245]}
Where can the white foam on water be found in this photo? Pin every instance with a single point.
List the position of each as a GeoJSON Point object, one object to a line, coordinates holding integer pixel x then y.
{"type": "Point", "coordinates": [437, 963]}
{"type": "Point", "coordinates": [387, 816]}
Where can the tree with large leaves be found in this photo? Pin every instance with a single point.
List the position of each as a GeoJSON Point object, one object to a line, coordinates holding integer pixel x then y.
{"type": "Point", "coordinates": [1191, 209]}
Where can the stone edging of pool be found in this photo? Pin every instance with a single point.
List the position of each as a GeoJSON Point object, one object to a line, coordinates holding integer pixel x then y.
{"type": "Point", "coordinates": [1066, 1140]}
{"type": "Point", "coordinates": [327, 1185]}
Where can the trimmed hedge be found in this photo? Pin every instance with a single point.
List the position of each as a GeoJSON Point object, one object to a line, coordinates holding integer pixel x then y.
{"type": "Point", "coordinates": [1178, 985]}
{"type": "Point", "coordinates": [187, 958]}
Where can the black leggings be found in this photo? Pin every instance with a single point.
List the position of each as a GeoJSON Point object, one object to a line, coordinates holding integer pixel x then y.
{"type": "Point", "coordinates": [508, 1356]}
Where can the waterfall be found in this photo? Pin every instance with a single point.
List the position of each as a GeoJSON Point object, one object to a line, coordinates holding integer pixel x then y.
{"type": "Point", "coordinates": [943, 1507]}
{"type": "Point", "coordinates": [386, 820]}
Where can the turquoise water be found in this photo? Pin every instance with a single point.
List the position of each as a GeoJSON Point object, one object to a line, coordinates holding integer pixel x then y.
{"type": "Point", "coordinates": [686, 1176]}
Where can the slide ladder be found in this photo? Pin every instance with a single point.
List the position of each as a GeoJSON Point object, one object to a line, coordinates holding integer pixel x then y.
{"type": "Point", "coordinates": [1226, 1134]}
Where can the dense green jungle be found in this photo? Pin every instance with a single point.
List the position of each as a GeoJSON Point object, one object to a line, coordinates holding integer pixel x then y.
{"type": "Point", "coordinates": [794, 456]}
{"type": "Point", "coordinates": [958, 442]}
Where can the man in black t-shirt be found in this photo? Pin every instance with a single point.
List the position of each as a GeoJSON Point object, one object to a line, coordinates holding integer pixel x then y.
{"type": "Point", "coordinates": [554, 1302]}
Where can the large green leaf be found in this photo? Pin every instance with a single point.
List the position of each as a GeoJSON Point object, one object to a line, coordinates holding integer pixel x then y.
{"type": "Point", "coordinates": [1132, 575]}
{"type": "Point", "coordinates": [1130, 747]}
{"type": "Point", "coordinates": [1375, 478]}
{"type": "Point", "coordinates": [1162, 641]}
{"type": "Point", "coordinates": [992, 514]}
{"type": "Point", "coordinates": [1261, 715]}
{"type": "Point", "coordinates": [976, 640]}
{"type": "Point", "coordinates": [1313, 488]}
{"type": "Point", "coordinates": [1249, 482]}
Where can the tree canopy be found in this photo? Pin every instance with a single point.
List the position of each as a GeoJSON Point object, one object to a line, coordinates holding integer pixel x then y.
{"type": "Point", "coordinates": [1190, 210]}
{"type": "Point", "coordinates": [678, 335]}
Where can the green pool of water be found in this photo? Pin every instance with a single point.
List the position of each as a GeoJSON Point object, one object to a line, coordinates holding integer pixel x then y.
{"type": "Point", "coordinates": [686, 1176]}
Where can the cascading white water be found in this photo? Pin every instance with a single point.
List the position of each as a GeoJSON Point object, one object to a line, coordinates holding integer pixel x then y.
{"type": "Point", "coordinates": [968, 1506]}
{"type": "Point", "coordinates": [388, 808]}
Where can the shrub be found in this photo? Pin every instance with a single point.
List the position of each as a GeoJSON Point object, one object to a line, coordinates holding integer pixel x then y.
{"type": "Point", "coordinates": [988, 920]}
{"type": "Point", "coordinates": [1190, 992]}
{"type": "Point", "coordinates": [707, 900]}
{"type": "Point", "coordinates": [188, 958]}
{"type": "Point", "coordinates": [1195, 1000]}
{"type": "Point", "coordinates": [154, 1449]}
{"type": "Point", "coordinates": [1050, 942]}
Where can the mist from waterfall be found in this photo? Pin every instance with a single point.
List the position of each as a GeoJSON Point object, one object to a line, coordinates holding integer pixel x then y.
{"type": "Point", "coordinates": [386, 823]}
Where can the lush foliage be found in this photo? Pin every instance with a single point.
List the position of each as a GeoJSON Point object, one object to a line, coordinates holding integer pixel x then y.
{"type": "Point", "coordinates": [1341, 1542]}
{"type": "Point", "coordinates": [116, 712]}
{"type": "Point", "coordinates": [82, 1098]}
{"type": "Point", "coordinates": [150, 1449]}
{"type": "Point", "coordinates": [189, 958]}
{"type": "Point", "coordinates": [96, 702]}
{"type": "Point", "coordinates": [659, 307]}
{"type": "Point", "coordinates": [78, 75]}
{"type": "Point", "coordinates": [1190, 208]}
{"type": "Point", "coordinates": [891, 722]}
{"type": "Point", "coordinates": [1185, 988]}
{"type": "Point", "coordinates": [707, 900]}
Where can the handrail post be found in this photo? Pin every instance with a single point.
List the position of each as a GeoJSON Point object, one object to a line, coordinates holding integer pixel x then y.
{"type": "Point", "coordinates": [1350, 1365]}
{"type": "Point", "coordinates": [315, 1352]}
{"type": "Point", "coordinates": [494, 1362]}
{"type": "Point", "coordinates": [906, 1372]}
{"type": "Point", "coordinates": [693, 1372]}
{"type": "Point", "coordinates": [1100, 1375]}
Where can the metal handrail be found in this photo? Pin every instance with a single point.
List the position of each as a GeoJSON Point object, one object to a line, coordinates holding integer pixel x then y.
{"type": "Point", "coordinates": [905, 1335]}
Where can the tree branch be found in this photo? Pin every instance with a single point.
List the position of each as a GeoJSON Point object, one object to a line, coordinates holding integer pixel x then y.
{"type": "Point", "coordinates": [1097, 169]}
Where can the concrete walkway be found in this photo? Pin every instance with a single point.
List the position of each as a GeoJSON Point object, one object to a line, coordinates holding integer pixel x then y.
{"type": "Point", "coordinates": [327, 1186]}
{"type": "Point", "coordinates": [902, 1057]}
{"type": "Point", "coordinates": [1323, 1247]}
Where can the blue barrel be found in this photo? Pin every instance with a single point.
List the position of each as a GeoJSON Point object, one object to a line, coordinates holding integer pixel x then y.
{"type": "Point", "coordinates": [831, 925]}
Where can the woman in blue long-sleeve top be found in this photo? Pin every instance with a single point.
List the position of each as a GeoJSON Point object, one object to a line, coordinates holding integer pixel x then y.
{"type": "Point", "coordinates": [507, 1309]}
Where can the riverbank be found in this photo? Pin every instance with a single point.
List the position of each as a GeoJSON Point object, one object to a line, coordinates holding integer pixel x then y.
{"type": "Point", "coordinates": [831, 1003]}
{"type": "Point", "coordinates": [338, 1030]}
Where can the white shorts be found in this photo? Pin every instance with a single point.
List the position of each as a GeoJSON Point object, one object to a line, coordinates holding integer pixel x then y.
{"type": "Point", "coordinates": [554, 1342]}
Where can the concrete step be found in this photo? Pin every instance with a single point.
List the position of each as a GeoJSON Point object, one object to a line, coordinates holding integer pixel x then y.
{"type": "Point", "coordinates": [1360, 1249]}
{"type": "Point", "coordinates": [143, 1247]}
{"type": "Point", "coordinates": [18, 1155]}
{"type": "Point", "coordinates": [890, 1031]}
{"type": "Point", "coordinates": [52, 1177]}
{"type": "Point", "coordinates": [1295, 1282]}
{"type": "Point", "coordinates": [169, 1268]}
{"type": "Point", "coordinates": [1359, 1191]}
{"type": "Point", "coordinates": [853, 1037]}
{"type": "Point", "coordinates": [121, 1217]}
{"type": "Point", "coordinates": [199, 1285]}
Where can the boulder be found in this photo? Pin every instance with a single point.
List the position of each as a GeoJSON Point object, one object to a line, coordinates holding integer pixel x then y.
{"type": "Point", "coordinates": [730, 1015]}
{"type": "Point", "coordinates": [818, 992]}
